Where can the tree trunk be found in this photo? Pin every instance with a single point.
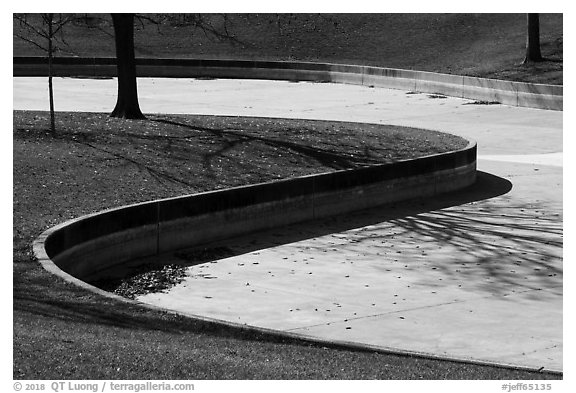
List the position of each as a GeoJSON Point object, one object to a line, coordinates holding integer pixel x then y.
{"type": "Point", "coordinates": [533, 39]}
{"type": "Point", "coordinates": [50, 87]}
{"type": "Point", "coordinates": [127, 106]}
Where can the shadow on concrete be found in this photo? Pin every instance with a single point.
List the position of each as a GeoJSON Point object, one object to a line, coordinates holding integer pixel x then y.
{"type": "Point", "coordinates": [498, 246]}
{"type": "Point", "coordinates": [476, 235]}
{"type": "Point", "coordinates": [487, 186]}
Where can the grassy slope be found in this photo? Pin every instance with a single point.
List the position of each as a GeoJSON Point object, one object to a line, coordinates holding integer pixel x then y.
{"type": "Point", "coordinates": [488, 45]}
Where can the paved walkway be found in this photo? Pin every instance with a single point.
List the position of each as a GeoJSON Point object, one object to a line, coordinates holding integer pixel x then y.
{"type": "Point", "coordinates": [473, 275]}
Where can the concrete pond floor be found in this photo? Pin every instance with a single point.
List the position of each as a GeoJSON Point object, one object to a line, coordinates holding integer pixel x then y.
{"type": "Point", "coordinates": [475, 274]}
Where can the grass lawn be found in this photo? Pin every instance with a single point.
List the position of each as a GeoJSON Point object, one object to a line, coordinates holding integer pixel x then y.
{"type": "Point", "coordinates": [95, 162]}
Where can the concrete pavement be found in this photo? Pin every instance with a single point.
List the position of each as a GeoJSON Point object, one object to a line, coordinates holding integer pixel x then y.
{"type": "Point", "coordinates": [472, 275]}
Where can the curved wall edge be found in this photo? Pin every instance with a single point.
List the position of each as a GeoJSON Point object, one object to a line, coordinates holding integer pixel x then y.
{"type": "Point", "coordinates": [521, 94]}
{"type": "Point", "coordinates": [94, 246]}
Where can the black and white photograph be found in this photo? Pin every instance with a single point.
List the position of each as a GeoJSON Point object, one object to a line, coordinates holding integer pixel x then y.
{"type": "Point", "coordinates": [287, 196]}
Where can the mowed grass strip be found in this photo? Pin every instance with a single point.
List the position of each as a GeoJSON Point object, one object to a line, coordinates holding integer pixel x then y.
{"type": "Point", "coordinates": [94, 162]}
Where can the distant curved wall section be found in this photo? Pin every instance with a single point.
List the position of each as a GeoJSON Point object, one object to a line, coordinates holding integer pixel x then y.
{"type": "Point", "coordinates": [505, 92]}
{"type": "Point", "coordinates": [90, 247]}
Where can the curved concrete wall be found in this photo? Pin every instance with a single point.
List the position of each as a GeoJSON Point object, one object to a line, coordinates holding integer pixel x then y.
{"type": "Point", "coordinates": [506, 92]}
{"type": "Point", "coordinates": [91, 247]}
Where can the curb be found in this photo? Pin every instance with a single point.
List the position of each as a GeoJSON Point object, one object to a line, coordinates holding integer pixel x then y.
{"type": "Point", "coordinates": [520, 94]}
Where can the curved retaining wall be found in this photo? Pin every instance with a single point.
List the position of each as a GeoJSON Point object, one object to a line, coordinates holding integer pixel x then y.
{"type": "Point", "coordinates": [505, 92]}
{"type": "Point", "coordinates": [91, 247]}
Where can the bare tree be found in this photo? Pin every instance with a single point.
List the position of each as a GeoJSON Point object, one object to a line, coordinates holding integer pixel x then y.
{"type": "Point", "coordinates": [533, 39]}
{"type": "Point", "coordinates": [213, 26]}
{"type": "Point", "coordinates": [45, 32]}
{"type": "Point", "coordinates": [127, 105]}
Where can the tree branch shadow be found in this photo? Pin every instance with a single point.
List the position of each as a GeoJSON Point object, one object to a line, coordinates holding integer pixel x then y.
{"type": "Point", "coordinates": [232, 138]}
{"type": "Point", "coordinates": [476, 236]}
{"type": "Point", "coordinates": [207, 147]}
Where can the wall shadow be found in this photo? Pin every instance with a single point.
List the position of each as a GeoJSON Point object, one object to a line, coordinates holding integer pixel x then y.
{"type": "Point", "coordinates": [479, 236]}
{"type": "Point", "coordinates": [486, 186]}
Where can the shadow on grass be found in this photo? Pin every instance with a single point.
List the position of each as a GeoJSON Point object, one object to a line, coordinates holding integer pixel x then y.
{"type": "Point", "coordinates": [232, 138]}
{"type": "Point", "coordinates": [193, 144]}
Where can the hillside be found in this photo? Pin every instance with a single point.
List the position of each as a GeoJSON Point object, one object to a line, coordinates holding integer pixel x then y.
{"type": "Point", "coordinates": [486, 45]}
